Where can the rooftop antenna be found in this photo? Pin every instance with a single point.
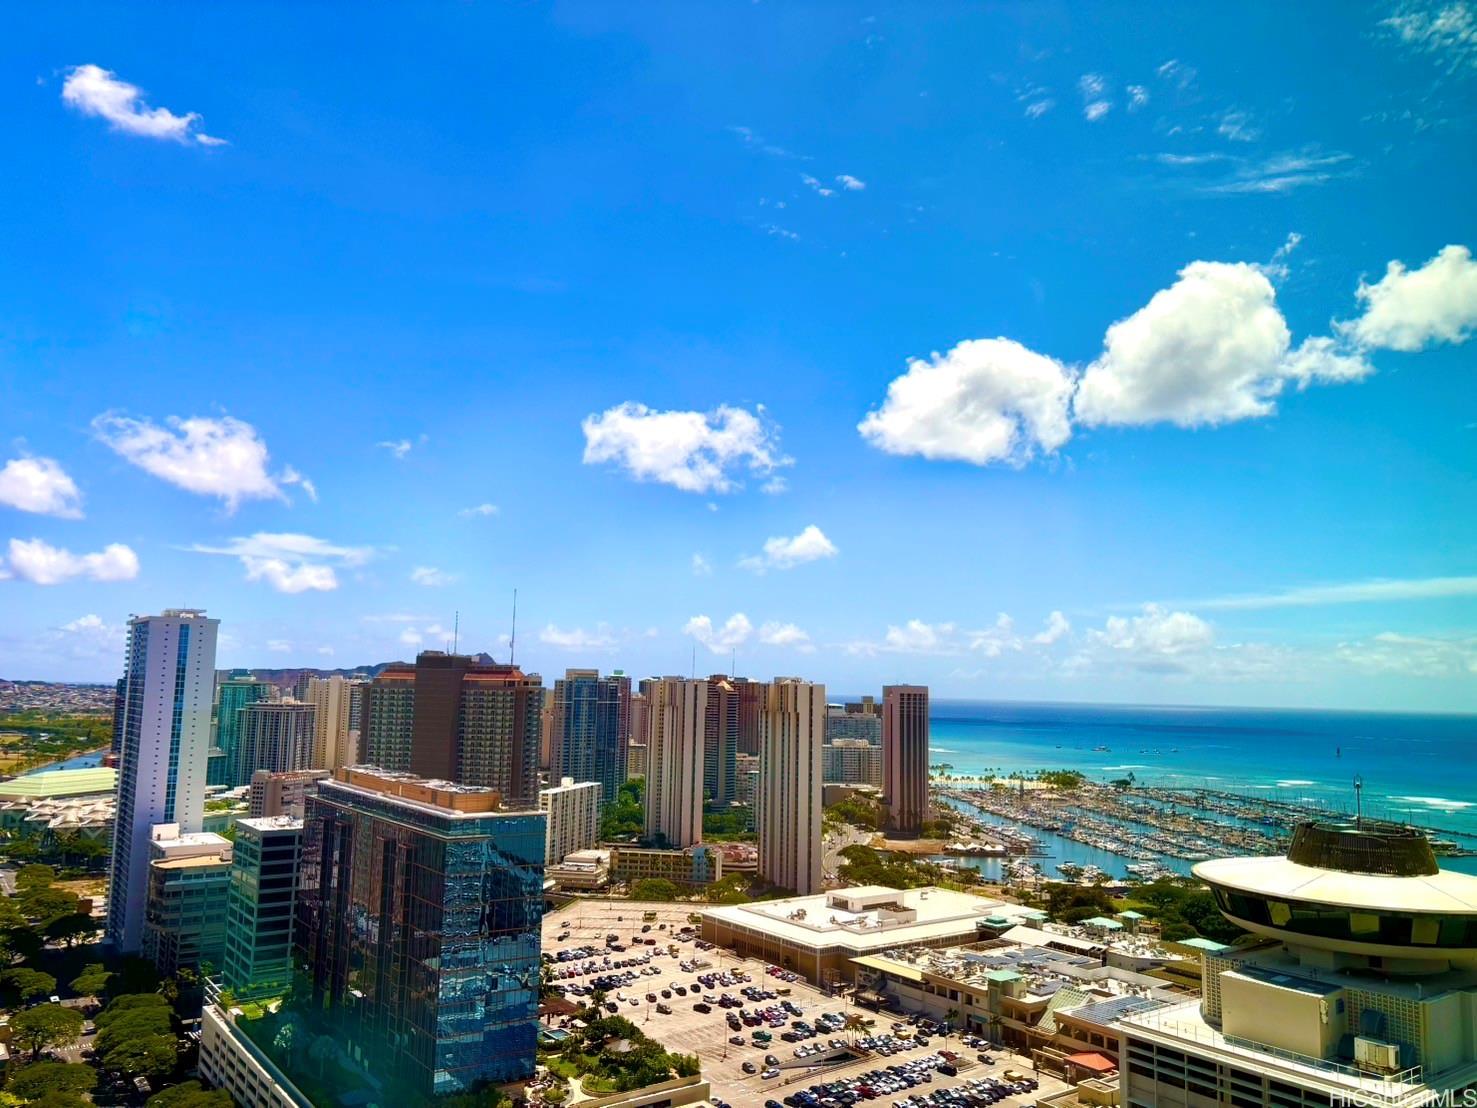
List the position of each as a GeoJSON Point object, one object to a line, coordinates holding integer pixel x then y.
{"type": "Point", "coordinates": [694, 662]}
{"type": "Point", "coordinates": [732, 660]}
{"type": "Point", "coordinates": [1358, 803]}
{"type": "Point", "coordinates": [513, 636]}
{"type": "Point", "coordinates": [456, 631]}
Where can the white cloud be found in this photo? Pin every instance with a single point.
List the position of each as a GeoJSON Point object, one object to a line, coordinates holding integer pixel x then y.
{"type": "Point", "coordinates": [1238, 126]}
{"type": "Point", "coordinates": [95, 91]}
{"type": "Point", "coordinates": [1392, 652]}
{"type": "Point", "coordinates": [479, 510]}
{"type": "Point", "coordinates": [290, 563]}
{"type": "Point", "coordinates": [1445, 29]}
{"type": "Point", "coordinates": [781, 552]}
{"type": "Point", "coordinates": [1057, 627]}
{"type": "Point", "coordinates": [326, 651]}
{"type": "Point", "coordinates": [431, 577]}
{"type": "Point", "coordinates": [850, 183]}
{"type": "Point", "coordinates": [917, 637]}
{"type": "Point", "coordinates": [692, 451]}
{"type": "Point", "coordinates": [1279, 173]}
{"type": "Point", "coordinates": [986, 400]}
{"type": "Point", "coordinates": [577, 638]}
{"type": "Point", "coordinates": [996, 640]}
{"type": "Point", "coordinates": [1177, 73]}
{"type": "Point", "coordinates": [1380, 590]}
{"type": "Point", "coordinates": [1409, 309]}
{"type": "Point", "coordinates": [701, 567]}
{"type": "Point", "coordinates": [92, 636]}
{"type": "Point", "coordinates": [775, 486]}
{"type": "Point", "coordinates": [734, 632]}
{"type": "Point", "coordinates": [279, 646]}
{"type": "Point", "coordinates": [774, 633]}
{"type": "Point", "coordinates": [413, 636]}
{"type": "Point", "coordinates": [223, 457]}
{"type": "Point", "coordinates": [40, 485]}
{"type": "Point", "coordinates": [774, 230]}
{"type": "Point", "coordinates": [815, 185]}
{"type": "Point", "coordinates": [1156, 632]}
{"type": "Point", "coordinates": [40, 563]}
{"type": "Point", "coordinates": [1277, 269]}
{"type": "Point", "coordinates": [1138, 97]}
{"type": "Point", "coordinates": [1211, 348]}
{"type": "Point", "coordinates": [1095, 110]}
{"type": "Point", "coordinates": [1095, 105]}
{"type": "Point", "coordinates": [1037, 108]}
{"type": "Point", "coordinates": [399, 447]}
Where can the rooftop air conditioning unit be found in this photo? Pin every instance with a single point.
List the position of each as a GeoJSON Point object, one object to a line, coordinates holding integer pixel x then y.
{"type": "Point", "coordinates": [1373, 1054]}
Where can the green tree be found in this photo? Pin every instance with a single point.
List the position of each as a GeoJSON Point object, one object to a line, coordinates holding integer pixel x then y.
{"type": "Point", "coordinates": [34, 876]}
{"type": "Point", "coordinates": [92, 981]}
{"type": "Point", "coordinates": [29, 983]}
{"type": "Point", "coordinates": [44, 903]}
{"type": "Point", "coordinates": [148, 1056]}
{"type": "Point", "coordinates": [655, 888]}
{"type": "Point", "coordinates": [46, 1027]}
{"type": "Point", "coordinates": [190, 1094]}
{"type": "Point", "coordinates": [71, 929]}
{"type": "Point", "coordinates": [40, 1078]}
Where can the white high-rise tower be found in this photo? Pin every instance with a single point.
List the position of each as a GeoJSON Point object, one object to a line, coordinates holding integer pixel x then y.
{"type": "Point", "coordinates": [674, 760]}
{"type": "Point", "coordinates": [169, 683]}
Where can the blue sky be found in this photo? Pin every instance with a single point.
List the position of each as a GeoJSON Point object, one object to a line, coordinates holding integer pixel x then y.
{"type": "Point", "coordinates": [1029, 351]}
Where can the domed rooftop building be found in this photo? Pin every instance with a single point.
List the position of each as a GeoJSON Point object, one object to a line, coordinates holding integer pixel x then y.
{"type": "Point", "coordinates": [1359, 984]}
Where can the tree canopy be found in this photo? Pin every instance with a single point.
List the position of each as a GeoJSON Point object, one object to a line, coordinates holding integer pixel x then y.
{"type": "Point", "coordinates": [190, 1094]}
{"type": "Point", "coordinates": [39, 1078]}
{"type": "Point", "coordinates": [655, 888]}
{"type": "Point", "coordinates": [28, 983]}
{"type": "Point", "coordinates": [149, 1055]}
{"type": "Point", "coordinates": [45, 1027]}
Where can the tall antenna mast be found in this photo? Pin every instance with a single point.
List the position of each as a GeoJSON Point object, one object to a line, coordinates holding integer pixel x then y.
{"type": "Point", "coordinates": [456, 631]}
{"type": "Point", "coordinates": [732, 661]}
{"type": "Point", "coordinates": [1358, 803]}
{"type": "Point", "coordinates": [694, 662]}
{"type": "Point", "coordinates": [513, 637]}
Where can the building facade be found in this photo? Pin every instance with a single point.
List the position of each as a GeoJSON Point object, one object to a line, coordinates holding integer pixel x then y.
{"type": "Point", "coordinates": [163, 756]}
{"type": "Point", "coordinates": [695, 865]}
{"type": "Point", "coordinates": [854, 721]}
{"type": "Point", "coordinates": [905, 757]}
{"type": "Point", "coordinates": [232, 694]}
{"type": "Point", "coordinates": [676, 712]}
{"type": "Point", "coordinates": [851, 762]}
{"type": "Point", "coordinates": [589, 714]}
{"type": "Point", "coordinates": [334, 727]}
{"type": "Point", "coordinates": [262, 898]}
{"type": "Point", "coordinates": [720, 742]}
{"type": "Point", "coordinates": [419, 909]}
{"type": "Point", "coordinates": [789, 806]}
{"type": "Point", "coordinates": [281, 794]}
{"type": "Point", "coordinates": [453, 718]}
{"type": "Point", "coordinates": [274, 735]}
{"type": "Point", "coordinates": [572, 813]}
{"type": "Point", "coordinates": [184, 916]}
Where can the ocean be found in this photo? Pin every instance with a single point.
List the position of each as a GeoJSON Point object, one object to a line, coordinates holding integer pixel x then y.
{"type": "Point", "coordinates": [1415, 768]}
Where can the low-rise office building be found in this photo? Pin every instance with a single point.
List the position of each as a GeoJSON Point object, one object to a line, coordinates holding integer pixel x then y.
{"type": "Point", "coordinates": [581, 869]}
{"type": "Point", "coordinates": [696, 865]}
{"type": "Point", "coordinates": [820, 936]}
{"type": "Point", "coordinates": [185, 911]}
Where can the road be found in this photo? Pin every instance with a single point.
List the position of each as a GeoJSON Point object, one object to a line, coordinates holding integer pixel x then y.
{"type": "Point", "coordinates": [834, 844]}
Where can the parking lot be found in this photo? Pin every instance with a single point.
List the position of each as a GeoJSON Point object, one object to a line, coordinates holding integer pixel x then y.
{"type": "Point", "coordinates": [587, 923]}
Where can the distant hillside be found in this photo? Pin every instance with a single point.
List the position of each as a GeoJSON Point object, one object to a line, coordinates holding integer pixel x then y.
{"type": "Point", "coordinates": [290, 675]}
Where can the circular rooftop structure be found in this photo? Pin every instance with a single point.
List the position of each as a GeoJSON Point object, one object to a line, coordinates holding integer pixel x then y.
{"type": "Point", "coordinates": [1376, 891]}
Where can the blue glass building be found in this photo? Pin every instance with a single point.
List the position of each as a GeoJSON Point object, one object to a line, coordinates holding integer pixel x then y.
{"type": "Point", "coordinates": [591, 723]}
{"type": "Point", "coordinates": [419, 910]}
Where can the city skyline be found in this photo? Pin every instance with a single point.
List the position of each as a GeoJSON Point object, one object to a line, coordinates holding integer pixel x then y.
{"type": "Point", "coordinates": [1024, 354]}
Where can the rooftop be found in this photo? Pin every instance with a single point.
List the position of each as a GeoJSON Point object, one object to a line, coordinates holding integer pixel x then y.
{"type": "Point", "coordinates": [272, 823]}
{"type": "Point", "coordinates": [1443, 891]}
{"type": "Point", "coordinates": [870, 917]}
{"type": "Point", "coordinates": [61, 782]}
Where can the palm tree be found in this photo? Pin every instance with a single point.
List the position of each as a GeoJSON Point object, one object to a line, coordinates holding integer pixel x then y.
{"type": "Point", "coordinates": [854, 1023]}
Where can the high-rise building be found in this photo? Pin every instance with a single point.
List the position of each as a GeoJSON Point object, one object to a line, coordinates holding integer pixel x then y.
{"type": "Point", "coordinates": [1358, 989]}
{"type": "Point", "coordinates": [419, 909]}
{"type": "Point", "coordinates": [572, 812]}
{"type": "Point", "coordinates": [120, 701]}
{"type": "Point", "coordinates": [720, 741]}
{"type": "Point", "coordinates": [851, 762]}
{"type": "Point", "coordinates": [274, 735]}
{"type": "Point", "coordinates": [282, 794]}
{"type": "Point", "coordinates": [589, 715]}
{"type": "Point", "coordinates": [640, 724]}
{"type": "Point", "coordinates": [748, 780]}
{"type": "Point", "coordinates": [453, 718]}
{"type": "Point", "coordinates": [331, 698]}
{"type": "Point", "coordinates": [635, 761]}
{"type": "Point", "coordinates": [751, 711]}
{"type": "Point", "coordinates": [676, 711]}
{"type": "Point", "coordinates": [170, 676]}
{"type": "Point", "coordinates": [854, 721]}
{"type": "Point", "coordinates": [789, 804]}
{"type": "Point", "coordinates": [185, 907]}
{"type": "Point", "coordinates": [905, 757]}
{"type": "Point", "coordinates": [257, 960]}
{"type": "Point", "coordinates": [234, 692]}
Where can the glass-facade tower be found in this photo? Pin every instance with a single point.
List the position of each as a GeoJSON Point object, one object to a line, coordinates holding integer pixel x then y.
{"type": "Point", "coordinates": [591, 720]}
{"type": "Point", "coordinates": [419, 907]}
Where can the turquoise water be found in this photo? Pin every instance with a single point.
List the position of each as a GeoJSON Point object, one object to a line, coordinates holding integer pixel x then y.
{"type": "Point", "coordinates": [1415, 768]}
